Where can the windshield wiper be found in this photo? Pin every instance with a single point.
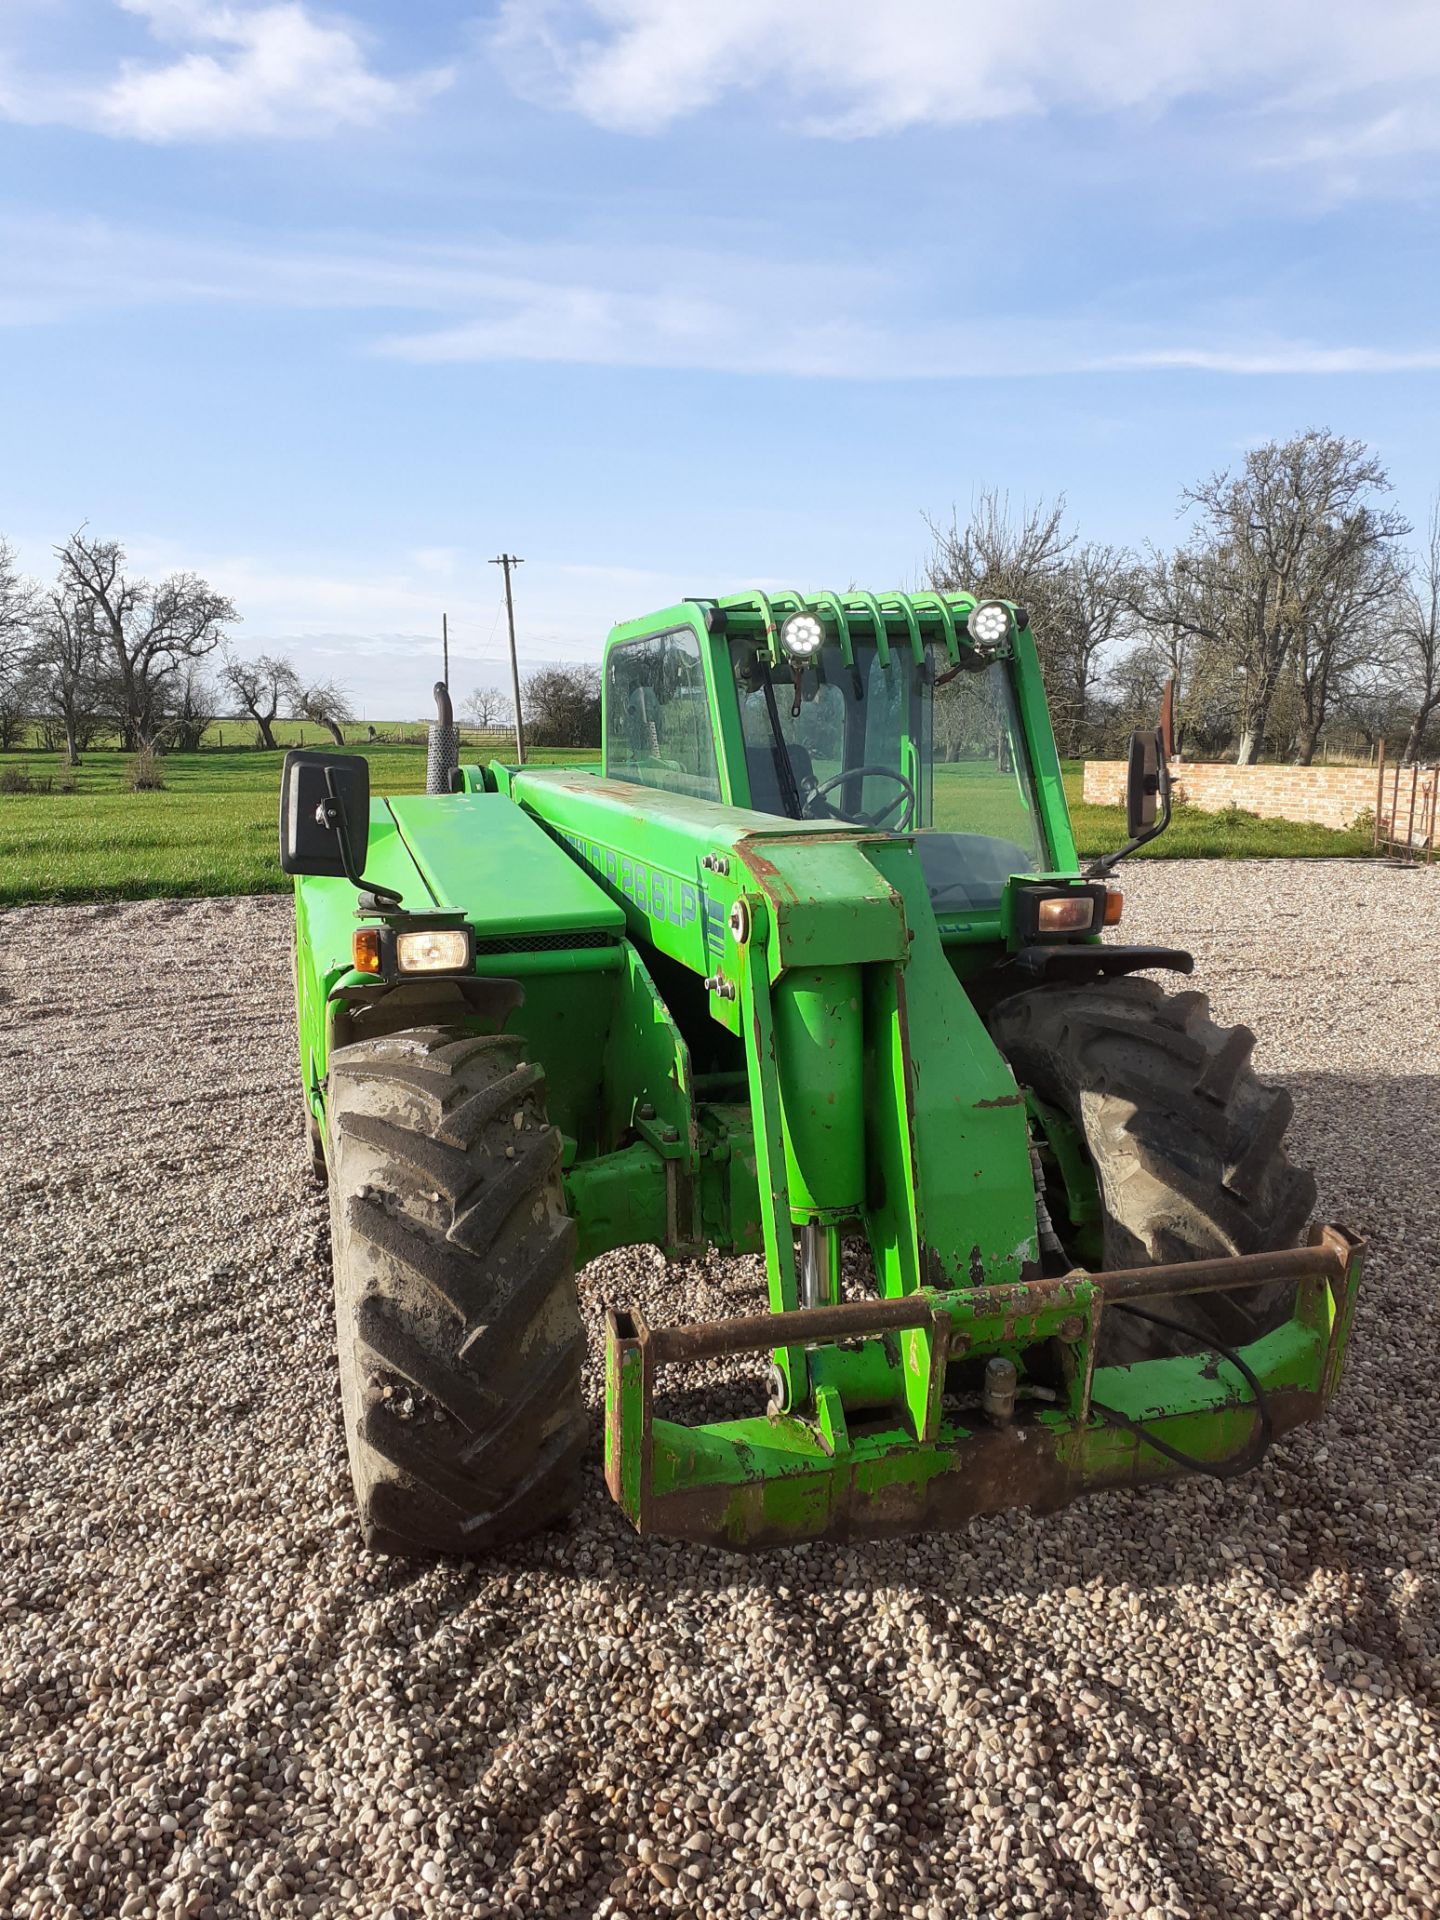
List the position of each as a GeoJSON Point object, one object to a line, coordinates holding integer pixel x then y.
{"type": "Point", "coordinates": [784, 766]}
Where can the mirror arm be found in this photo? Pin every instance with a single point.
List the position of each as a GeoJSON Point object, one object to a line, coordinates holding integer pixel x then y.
{"type": "Point", "coordinates": [331, 813]}
{"type": "Point", "coordinates": [1098, 869]}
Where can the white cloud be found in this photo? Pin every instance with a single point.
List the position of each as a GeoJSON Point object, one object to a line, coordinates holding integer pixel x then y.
{"type": "Point", "coordinates": [237, 72]}
{"type": "Point", "coordinates": [853, 68]}
{"type": "Point", "coordinates": [1286, 356]}
{"type": "Point", "coordinates": [438, 306]}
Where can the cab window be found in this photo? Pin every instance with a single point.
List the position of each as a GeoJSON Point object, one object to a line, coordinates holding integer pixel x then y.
{"type": "Point", "coordinates": [657, 716]}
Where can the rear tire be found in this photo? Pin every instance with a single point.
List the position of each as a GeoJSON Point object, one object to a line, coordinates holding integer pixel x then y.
{"type": "Point", "coordinates": [459, 1327]}
{"type": "Point", "coordinates": [1185, 1142]}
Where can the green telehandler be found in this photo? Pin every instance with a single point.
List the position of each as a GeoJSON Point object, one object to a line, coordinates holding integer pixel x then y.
{"type": "Point", "coordinates": [807, 960]}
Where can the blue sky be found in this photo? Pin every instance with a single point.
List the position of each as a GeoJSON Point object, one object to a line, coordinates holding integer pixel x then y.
{"type": "Point", "coordinates": [675, 296]}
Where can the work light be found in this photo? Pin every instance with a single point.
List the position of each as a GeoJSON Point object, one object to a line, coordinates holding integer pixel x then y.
{"type": "Point", "coordinates": [801, 636]}
{"type": "Point", "coordinates": [989, 623]}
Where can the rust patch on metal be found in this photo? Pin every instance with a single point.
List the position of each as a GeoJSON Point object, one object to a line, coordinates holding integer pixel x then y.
{"type": "Point", "coordinates": [987, 1471]}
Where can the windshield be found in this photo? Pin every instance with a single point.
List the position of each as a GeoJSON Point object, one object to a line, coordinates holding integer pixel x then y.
{"type": "Point", "coordinates": [936, 752]}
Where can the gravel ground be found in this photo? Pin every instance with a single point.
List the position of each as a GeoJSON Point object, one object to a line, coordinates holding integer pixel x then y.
{"type": "Point", "coordinates": [1217, 1699]}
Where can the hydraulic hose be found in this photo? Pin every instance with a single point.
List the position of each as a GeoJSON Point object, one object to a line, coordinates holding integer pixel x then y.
{"type": "Point", "coordinates": [1254, 1450]}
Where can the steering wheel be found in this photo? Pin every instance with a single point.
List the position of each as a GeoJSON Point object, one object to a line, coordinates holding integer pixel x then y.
{"type": "Point", "coordinates": [905, 797]}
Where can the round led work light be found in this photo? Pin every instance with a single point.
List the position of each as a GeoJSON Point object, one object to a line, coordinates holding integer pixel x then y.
{"type": "Point", "coordinates": [802, 636]}
{"type": "Point", "coordinates": [989, 623]}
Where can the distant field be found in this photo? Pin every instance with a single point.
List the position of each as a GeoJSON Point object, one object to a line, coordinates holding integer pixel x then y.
{"type": "Point", "coordinates": [304, 733]}
{"type": "Point", "coordinates": [212, 830]}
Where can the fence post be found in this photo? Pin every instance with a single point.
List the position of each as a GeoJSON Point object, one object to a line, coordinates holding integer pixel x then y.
{"type": "Point", "coordinates": [1394, 803]}
{"type": "Point", "coordinates": [1379, 793]}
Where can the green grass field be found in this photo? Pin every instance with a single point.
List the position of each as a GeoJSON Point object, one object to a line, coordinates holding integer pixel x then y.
{"type": "Point", "coordinates": [212, 830]}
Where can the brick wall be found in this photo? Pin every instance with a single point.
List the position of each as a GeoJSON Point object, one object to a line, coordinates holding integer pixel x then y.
{"type": "Point", "coordinates": [1324, 796]}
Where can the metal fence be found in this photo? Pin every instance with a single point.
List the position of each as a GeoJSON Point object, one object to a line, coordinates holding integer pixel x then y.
{"type": "Point", "coordinates": [1405, 809]}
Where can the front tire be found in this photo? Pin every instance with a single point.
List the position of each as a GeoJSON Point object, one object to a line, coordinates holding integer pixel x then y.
{"type": "Point", "coordinates": [1185, 1143]}
{"type": "Point", "coordinates": [458, 1320]}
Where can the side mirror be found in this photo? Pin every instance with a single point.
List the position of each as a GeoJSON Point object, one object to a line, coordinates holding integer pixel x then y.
{"type": "Point", "coordinates": [1143, 780]}
{"type": "Point", "coordinates": [324, 813]}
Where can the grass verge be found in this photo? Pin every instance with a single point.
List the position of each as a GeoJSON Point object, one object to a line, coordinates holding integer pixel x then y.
{"type": "Point", "coordinates": [212, 829]}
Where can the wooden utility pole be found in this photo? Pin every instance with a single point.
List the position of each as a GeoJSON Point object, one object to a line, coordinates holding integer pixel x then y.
{"type": "Point", "coordinates": [445, 644]}
{"type": "Point", "coordinates": [507, 561]}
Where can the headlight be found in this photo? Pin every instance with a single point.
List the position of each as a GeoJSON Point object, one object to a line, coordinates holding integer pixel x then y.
{"type": "Point", "coordinates": [802, 636]}
{"type": "Point", "coordinates": [444, 951]}
{"type": "Point", "coordinates": [387, 952]}
{"type": "Point", "coordinates": [1062, 913]}
{"type": "Point", "coordinates": [989, 623]}
{"type": "Point", "coordinates": [1066, 913]}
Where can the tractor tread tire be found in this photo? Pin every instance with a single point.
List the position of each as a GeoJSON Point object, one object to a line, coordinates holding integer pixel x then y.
{"type": "Point", "coordinates": [1186, 1143]}
{"type": "Point", "coordinates": [458, 1319]}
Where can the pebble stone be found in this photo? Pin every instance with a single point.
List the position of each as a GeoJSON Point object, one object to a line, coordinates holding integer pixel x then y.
{"type": "Point", "coordinates": [1196, 1703]}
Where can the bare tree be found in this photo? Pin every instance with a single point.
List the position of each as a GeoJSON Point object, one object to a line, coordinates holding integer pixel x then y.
{"type": "Point", "coordinates": [147, 633]}
{"type": "Point", "coordinates": [1176, 624]}
{"type": "Point", "coordinates": [1001, 556]}
{"type": "Point", "coordinates": [486, 707]}
{"type": "Point", "coordinates": [1274, 541]}
{"type": "Point", "coordinates": [1345, 631]}
{"type": "Point", "coordinates": [18, 600]}
{"type": "Point", "coordinates": [262, 686]}
{"type": "Point", "coordinates": [65, 664]}
{"type": "Point", "coordinates": [562, 706]}
{"type": "Point", "coordinates": [328, 705]}
{"type": "Point", "coordinates": [1418, 635]}
{"type": "Point", "coordinates": [1078, 597]}
{"type": "Point", "coordinates": [191, 702]}
{"type": "Point", "coordinates": [1092, 612]}
{"type": "Point", "coordinates": [15, 702]}
{"type": "Point", "coordinates": [18, 597]}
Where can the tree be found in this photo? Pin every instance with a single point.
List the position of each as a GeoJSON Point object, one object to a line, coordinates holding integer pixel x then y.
{"type": "Point", "coordinates": [261, 687]}
{"type": "Point", "coordinates": [1346, 630]}
{"type": "Point", "coordinates": [15, 701]}
{"type": "Point", "coordinates": [486, 707]}
{"type": "Point", "coordinates": [147, 634]}
{"type": "Point", "coordinates": [190, 707]}
{"type": "Point", "coordinates": [1000, 557]}
{"type": "Point", "coordinates": [65, 666]}
{"type": "Point", "coordinates": [1418, 636]}
{"type": "Point", "coordinates": [1078, 597]}
{"type": "Point", "coordinates": [18, 599]}
{"type": "Point", "coordinates": [1093, 610]}
{"type": "Point", "coordinates": [328, 705]}
{"type": "Point", "coordinates": [562, 706]}
{"type": "Point", "coordinates": [1273, 543]}
{"type": "Point", "coordinates": [1176, 620]}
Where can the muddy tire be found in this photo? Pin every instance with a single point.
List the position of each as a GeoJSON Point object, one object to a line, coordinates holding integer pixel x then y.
{"type": "Point", "coordinates": [1185, 1142]}
{"type": "Point", "coordinates": [458, 1321]}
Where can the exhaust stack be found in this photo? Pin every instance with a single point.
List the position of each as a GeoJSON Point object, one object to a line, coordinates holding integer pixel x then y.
{"type": "Point", "coordinates": [443, 757]}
